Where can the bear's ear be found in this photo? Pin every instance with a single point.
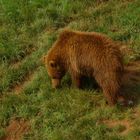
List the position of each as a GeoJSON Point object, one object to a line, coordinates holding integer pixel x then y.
{"type": "Point", "coordinates": [52, 64]}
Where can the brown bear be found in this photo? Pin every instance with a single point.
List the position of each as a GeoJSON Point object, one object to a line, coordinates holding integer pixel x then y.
{"type": "Point", "coordinates": [86, 54]}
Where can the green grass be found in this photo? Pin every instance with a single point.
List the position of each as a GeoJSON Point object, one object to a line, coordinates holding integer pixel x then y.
{"type": "Point", "coordinates": [28, 28]}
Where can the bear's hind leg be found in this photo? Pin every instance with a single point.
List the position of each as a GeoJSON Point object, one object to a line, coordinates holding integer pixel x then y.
{"type": "Point", "coordinates": [110, 87]}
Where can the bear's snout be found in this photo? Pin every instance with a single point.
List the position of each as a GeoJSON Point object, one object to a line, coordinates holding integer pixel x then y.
{"type": "Point", "coordinates": [56, 83]}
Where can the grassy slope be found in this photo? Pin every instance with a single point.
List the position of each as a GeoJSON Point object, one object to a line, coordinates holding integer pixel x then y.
{"type": "Point", "coordinates": [27, 31]}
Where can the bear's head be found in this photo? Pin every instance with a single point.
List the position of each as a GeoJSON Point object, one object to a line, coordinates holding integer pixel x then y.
{"type": "Point", "coordinates": [55, 70]}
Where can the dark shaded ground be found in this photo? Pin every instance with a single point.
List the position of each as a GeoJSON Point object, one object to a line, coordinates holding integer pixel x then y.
{"type": "Point", "coordinates": [131, 81]}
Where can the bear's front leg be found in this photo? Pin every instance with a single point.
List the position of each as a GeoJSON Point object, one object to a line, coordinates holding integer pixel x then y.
{"type": "Point", "coordinates": [76, 80]}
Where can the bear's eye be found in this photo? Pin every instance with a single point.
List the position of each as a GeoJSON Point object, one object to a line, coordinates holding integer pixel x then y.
{"type": "Point", "coordinates": [53, 64]}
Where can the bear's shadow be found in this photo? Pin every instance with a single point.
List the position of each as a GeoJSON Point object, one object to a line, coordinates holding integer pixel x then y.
{"type": "Point", "coordinates": [87, 83]}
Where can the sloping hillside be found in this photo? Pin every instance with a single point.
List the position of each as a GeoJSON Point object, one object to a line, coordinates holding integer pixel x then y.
{"type": "Point", "coordinates": [29, 107]}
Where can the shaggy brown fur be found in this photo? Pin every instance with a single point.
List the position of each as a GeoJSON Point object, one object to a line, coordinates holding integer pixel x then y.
{"type": "Point", "coordinates": [86, 54]}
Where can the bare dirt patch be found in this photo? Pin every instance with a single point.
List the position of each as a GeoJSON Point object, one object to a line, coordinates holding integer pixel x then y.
{"type": "Point", "coordinates": [125, 123]}
{"type": "Point", "coordinates": [18, 88]}
{"type": "Point", "coordinates": [16, 129]}
{"type": "Point", "coordinates": [16, 65]}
